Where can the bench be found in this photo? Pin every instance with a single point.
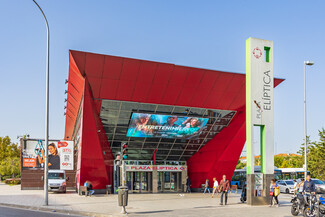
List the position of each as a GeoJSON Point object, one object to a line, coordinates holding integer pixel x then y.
{"type": "Point", "coordinates": [83, 189]}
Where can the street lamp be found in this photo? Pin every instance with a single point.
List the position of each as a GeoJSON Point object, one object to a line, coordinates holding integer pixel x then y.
{"type": "Point", "coordinates": [306, 63]}
{"type": "Point", "coordinates": [46, 110]}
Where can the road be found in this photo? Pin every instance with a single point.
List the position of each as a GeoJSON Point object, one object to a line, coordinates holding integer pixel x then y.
{"type": "Point", "coordinates": [9, 211]}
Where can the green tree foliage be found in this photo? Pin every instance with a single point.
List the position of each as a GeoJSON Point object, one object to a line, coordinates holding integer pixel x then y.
{"type": "Point", "coordinates": [9, 157]}
{"type": "Point", "coordinates": [316, 157]}
{"type": "Point", "coordinates": [240, 165]}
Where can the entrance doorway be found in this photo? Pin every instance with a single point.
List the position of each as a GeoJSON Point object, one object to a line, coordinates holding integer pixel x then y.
{"type": "Point", "coordinates": [139, 182]}
{"type": "Point", "coordinates": [169, 181]}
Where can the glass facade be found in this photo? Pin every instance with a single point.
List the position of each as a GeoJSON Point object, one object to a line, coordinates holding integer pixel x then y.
{"type": "Point", "coordinates": [115, 116]}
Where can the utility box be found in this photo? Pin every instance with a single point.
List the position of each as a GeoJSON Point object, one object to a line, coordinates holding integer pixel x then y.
{"type": "Point", "coordinates": [123, 196]}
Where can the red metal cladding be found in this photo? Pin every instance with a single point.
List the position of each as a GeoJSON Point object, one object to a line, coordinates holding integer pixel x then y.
{"type": "Point", "coordinates": [96, 159]}
{"type": "Point", "coordinates": [126, 79]}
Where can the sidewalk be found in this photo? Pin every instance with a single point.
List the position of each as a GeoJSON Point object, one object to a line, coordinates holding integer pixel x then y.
{"type": "Point", "coordinates": [195, 204]}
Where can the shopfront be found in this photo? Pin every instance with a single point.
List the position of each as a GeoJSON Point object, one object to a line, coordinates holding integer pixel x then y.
{"type": "Point", "coordinates": [155, 178]}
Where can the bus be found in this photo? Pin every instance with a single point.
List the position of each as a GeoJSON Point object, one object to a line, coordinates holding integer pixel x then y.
{"type": "Point", "coordinates": [239, 177]}
{"type": "Point", "coordinates": [293, 173]}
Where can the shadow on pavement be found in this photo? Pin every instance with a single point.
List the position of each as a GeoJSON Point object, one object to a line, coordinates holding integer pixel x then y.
{"type": "Point", "coordinates": [152, 212]}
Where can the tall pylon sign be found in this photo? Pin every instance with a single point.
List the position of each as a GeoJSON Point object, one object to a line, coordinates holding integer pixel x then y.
{"type": "Point", "coordinates": [259, 117]}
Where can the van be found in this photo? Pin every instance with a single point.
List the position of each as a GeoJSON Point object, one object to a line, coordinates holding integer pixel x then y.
{"type": "Point", "coordinates": [57, 181]}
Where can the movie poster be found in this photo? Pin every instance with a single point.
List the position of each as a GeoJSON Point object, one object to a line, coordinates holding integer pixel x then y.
{"type": "Point", "coordinates": [165, 126]}
{"type": "Point", "coordinates": [60, 155]}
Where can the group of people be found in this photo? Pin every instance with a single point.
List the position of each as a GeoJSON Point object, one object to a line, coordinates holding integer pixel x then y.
{"type": "Point", "coordinates": [89, 187]}
{"type": "Point", "coordinates": [221, 188]}
{"type": "Point", "coordinates": [302, 187]}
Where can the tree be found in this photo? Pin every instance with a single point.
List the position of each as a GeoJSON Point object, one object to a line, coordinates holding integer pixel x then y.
{"type": "Point", "coordinates": [316, 157]}
{"type": "Point", "coordinates": [240, 165]}
{"type": "Point", "coordinates": [9, 157]}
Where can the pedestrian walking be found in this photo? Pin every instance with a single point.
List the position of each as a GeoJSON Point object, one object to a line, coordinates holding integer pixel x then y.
{"type": "Point", "coordinates": [301, 185]}
{"type": "Point", "coordinates": [274, 192]}
{"type": "Point", "coordinates": [215, 186]}
{"type": "Point", "coordinates": [206, 186]}
{"type": "Point", "coordinates": [188, 185]}
{"type": "Point", "coordinates": [224, 188]}
{"type": "Point", "coordinates": [295, 187]}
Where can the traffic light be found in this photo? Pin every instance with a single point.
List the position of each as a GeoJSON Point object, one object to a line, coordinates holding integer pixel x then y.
{"type": "Point", "coordinates": [124, 151]}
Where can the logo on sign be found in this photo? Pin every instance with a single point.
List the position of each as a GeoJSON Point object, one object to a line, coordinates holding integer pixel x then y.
{"type": "Point", "coordinates": [62, 144]}
{"type": "Point", "coordinates": [257, 53]}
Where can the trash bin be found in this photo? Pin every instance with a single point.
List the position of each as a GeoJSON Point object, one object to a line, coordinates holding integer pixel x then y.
{"type": "Point", "coordinates": [123, 196]}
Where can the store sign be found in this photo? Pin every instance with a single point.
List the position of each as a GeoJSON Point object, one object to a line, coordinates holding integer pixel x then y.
{"type": "Point", "coordinates": [60, 154]}
{"type": "Point", "coordinates": [155, 167]}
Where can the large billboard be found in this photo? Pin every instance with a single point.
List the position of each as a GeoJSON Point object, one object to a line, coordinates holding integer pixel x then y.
{"type": "Point", "coordinates": [60, 154]}
{"type": "Point", "coordinates": [165, 126]}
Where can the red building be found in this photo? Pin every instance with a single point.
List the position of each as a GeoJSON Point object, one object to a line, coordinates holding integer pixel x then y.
{"type": "Point", "coordinates": [103, 93]}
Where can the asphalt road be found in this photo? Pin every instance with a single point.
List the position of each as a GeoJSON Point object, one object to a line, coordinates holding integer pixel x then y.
{"type": "Point", "coordinates": [9, 211]}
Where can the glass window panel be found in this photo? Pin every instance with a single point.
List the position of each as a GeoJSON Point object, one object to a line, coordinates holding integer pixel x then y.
{"type": "Point", "coordinates": [125, 114]}
{"type": "Point", "coordinates": [111, 104]}
{"type": "Point", "coordinates": [123, 122]}
{"type": "Point", "coordinates": [136, 145]}
{"type": "Point", "coordinates": [179, 146]}
{"type": "Point", "coordinates": [180, 110]}
{"type": "Point", "coordinates": [162, 152]}
{"type": "Point", "coordinates": [164, 109]}
{"type": "Point", "coordinates": [197, 111]}
{"type": "Point", "coordinates": [109, 129]}
{"type": "Point", "coordinates": [165, 145]}
{"type": "Point", "coordinates": [150, 145]}
{"type": "Point", "coordinates": [189, 153]}
{"type": "Point", "coordinates": [109, 113]}
{"type": "Point", "coordinates": [121, 130]}
{"type": "Point", "coordinates": [176, 152]}
{"type": "Point", "coordinates": [171, 157]}
{"type": "Point", "coordinates": [128, 106]}
{"type": "Point", "coordinates": [120, 137]}
{"type": "Point", "coordinates": [147, 108]}
{"type": "Point", "coordinates": [167, 140]}
{"type": "Point", "coordinates": [109, 136]}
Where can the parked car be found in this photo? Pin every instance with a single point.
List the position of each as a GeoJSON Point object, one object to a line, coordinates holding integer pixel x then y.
{"type": "Point", "coordinates": [57, 181]}
{"type": "Point", "coordinates": [320, 186]}
{"type": "Point", "coordinates": [286, 186]}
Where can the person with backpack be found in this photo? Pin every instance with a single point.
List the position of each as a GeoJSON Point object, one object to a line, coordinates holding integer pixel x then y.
{"type": "Point", "coordinates": [224, 188]}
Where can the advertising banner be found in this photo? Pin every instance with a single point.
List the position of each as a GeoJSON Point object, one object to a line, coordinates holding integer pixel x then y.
{"type": "Point", "coordinates": [60, 155]}
{"type": "Point", "coordinates": [165, 126]}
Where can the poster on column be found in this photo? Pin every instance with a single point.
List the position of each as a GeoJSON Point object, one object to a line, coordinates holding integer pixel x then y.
{"type": "Point", "coordinates": [60, 154]}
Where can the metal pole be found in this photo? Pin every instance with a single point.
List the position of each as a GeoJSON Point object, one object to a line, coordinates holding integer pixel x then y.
{"type": "Point", "coordinates": [46, 110]}
{"type": "Point", "coordinates": [123, 173]}
{"type": "Point", "coordinates": [305, 120]}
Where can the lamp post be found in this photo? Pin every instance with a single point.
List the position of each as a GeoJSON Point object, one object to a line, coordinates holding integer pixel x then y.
{"type": "Point", "coordinates": [306, 63]}
{"type": "Point", "coordinates": [46, 110]}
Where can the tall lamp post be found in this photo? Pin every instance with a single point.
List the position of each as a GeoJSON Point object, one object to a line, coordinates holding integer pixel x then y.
{"type": "Point", "coordinates": [306, 63]}
{"type": "Point", "coordinates": [46, 110]}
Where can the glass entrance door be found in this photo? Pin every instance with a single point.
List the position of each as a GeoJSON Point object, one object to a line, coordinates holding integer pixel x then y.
{"type": "Point", "coordinates": [141, 182]}
{"type": "Point", "coordinates": [171, 181]}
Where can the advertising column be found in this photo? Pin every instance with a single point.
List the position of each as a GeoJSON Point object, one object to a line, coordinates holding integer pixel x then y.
{"type": "Point", "coordinates": [259, 112]}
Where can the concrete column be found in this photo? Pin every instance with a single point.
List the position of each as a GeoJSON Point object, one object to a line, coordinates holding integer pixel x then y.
{"type": "Point", "coordinates": [154, 180]}
{"type": "Point", "coordinates": [183, 177]}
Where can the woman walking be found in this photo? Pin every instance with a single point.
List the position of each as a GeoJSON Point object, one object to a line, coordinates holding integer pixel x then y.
{"type": "Point", "coordinates": [273, 193]}
{"type": "Point", "coordinates": [215, 186]}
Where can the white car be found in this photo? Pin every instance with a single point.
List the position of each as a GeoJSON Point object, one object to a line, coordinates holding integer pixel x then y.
{"type": "Point", "coordinates": [286, 186]}
{"type": "Point", "coordinates": [320, 185]}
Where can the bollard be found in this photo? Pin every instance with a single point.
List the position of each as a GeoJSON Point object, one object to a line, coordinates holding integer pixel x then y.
{"type": "Point", "coordinates": [123, 198]}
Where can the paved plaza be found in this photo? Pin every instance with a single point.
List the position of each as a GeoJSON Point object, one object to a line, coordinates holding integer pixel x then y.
{"type": "Point", "coordinates": [194, 204]}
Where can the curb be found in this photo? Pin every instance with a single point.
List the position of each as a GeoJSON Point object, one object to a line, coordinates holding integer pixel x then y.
{"type": "Point", "coordinates": [61, 211]}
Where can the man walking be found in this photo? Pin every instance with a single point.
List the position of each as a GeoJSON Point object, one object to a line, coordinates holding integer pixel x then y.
{"type": "Point", "coordinates": [188, 185]}
{"type": "Point", "coordinates": [224, 188]}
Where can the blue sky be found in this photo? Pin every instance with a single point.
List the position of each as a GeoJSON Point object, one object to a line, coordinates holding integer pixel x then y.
{"type": "Point", "coordinates": [205, 34]}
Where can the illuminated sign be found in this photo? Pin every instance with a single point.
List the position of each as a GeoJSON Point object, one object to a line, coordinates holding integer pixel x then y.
{"type": "Point", "coordinates": [165, 126]}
